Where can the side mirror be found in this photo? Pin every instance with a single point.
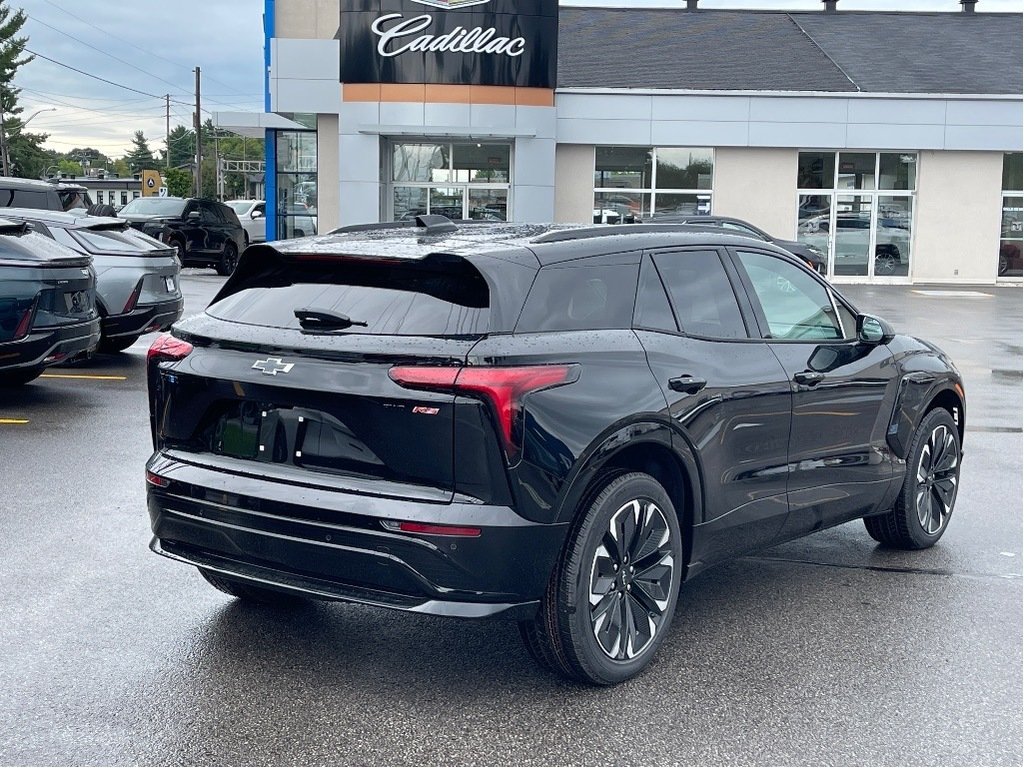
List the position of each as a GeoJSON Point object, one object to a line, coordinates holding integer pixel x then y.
{"type": "Point", "coordinates": [256, 215]}
{"type": "Point", "coordinates": [873, 330]}
{"type": "Point", "coordinates": [193, 216]}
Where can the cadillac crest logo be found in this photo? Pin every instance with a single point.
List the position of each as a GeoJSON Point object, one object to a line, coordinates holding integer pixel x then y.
{"type": "Point", "coordinates": [450, 5]}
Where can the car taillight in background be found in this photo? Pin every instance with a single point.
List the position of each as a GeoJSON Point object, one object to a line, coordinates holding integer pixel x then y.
{"type": "Point", "coordinates": [25, 323]}
{"type": "Point", "coordinates": [502, 387]}
{"type": "Point", "coordinates": [167, 347]}
{"type": "Point", "coordinates": [133, 299]}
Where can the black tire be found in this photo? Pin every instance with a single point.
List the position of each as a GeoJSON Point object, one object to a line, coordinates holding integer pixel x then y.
{"type": "Point", "coordinates": [179, 247]}
{"type": "Point", "coordinates": [248, 592]}
{"type": "Point", "coordinates": [587, 627]}
{"type": "Point", "coordinates": [19, 377]}
{"type": "Point", "coordinates": [228, 260]}
{"type": "Point", "coordinates": [887, 260]}
{"type": "Point", "coordinates": [245, 239]}
{"type": "Point", "coordinates": [117, 344]}
{"type": "Point", "coordinates": [925, 504]}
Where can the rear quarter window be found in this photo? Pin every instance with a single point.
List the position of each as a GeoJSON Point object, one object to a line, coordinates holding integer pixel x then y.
{"type": "Point", "coordinates": [580, 297]}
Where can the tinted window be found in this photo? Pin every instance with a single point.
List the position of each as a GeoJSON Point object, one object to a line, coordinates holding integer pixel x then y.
{"type": "Point", "coordinates": [795, 305]}
{"type": "Point", "coordinates": [580, 297]}
{"type": "Point", "coordinates": [391, 300]}
{"type": "Point", "coordinates": [701, 294]}
{"type": "Point", "coordinates": [23, 198]}
{"type": "Point", "coordinates": [154, 206]}
{"type": "Point", "coordinates": [652, 307]}
{"type": "Point", "coordinates": [211, 215]}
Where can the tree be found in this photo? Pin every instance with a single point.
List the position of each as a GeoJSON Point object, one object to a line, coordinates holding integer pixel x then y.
{"type": "Point", "coordinates": [141, 158]}
{"type": "Point", "coordinates": [23, 152]}
{"type": "Point", "coordinates": [181, 147]}
{"type": "Point", "coordinates": [179, 182]}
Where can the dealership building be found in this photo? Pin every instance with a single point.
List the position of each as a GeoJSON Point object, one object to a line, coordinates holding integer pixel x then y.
{"type": "Point", "coordinates": [891, 140]}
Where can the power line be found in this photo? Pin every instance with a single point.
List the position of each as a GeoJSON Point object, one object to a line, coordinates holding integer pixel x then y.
{"type": "Point", "coordinates": [105, 53]}
{"type": "Point", "coordinates": [96, 77]}
{"type": "Point", "coordinates": [143, 50]}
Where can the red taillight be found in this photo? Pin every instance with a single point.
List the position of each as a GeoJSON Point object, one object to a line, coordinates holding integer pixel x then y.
{"type": "Point", "coordinates": [154, 479]}
{"type": "Point", "coordinates": [26, 321]}
{"type": "Point", "coordinates": [430, 529]}
{"type": "Point", "coordinates": [503, 388]}
{"type": "Point", "coordinates": [166, 347]}
{"type": "Point", "coordinates": [134, 298]}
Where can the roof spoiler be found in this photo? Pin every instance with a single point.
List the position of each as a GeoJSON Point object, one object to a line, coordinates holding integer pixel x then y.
{"type": "Point", "coordinates": [433, 224]}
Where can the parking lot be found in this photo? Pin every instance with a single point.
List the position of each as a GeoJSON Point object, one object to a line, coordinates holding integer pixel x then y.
{"type": "Point", "coordinates": [827, 650]}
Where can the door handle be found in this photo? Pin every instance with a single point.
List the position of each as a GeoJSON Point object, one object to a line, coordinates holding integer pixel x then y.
{"type": "Point", "coordinates": [808, 378]}
{"type": "Point", "coordinates": [691, 385]}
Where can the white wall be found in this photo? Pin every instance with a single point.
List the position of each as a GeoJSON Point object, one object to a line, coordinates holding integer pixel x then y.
{"type": "Point", "coordinates": [959, 209]}
{"type": "Point", "coordinates": [574, 183]}
{"type": "Point", "coordinates": [759, 186]}
{"type": "Point", "coordinates": [309, 19]}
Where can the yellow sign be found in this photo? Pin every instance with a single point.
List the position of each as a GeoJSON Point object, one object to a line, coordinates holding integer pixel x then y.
{"type": "Point", "coordinates": [151, 183]}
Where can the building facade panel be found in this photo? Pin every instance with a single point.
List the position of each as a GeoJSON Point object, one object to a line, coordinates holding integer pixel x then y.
{"type": "Point", "coordinates": [758, 185]}
{"type": "Point", "coordinates": [574, 190]}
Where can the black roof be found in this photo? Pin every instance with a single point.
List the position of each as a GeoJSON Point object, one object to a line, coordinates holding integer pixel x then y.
{"type": "Point", "coordinates": [737, 50]}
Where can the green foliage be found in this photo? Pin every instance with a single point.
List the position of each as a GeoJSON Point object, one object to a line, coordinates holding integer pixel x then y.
{"type": "Point", "coordinates": [179, 182]}
{"type": "Point", "coordinates": [141, 158]}
{"type": "Point", "coordinates": [181, 146]}
{"type": "Point", "coordinates": [69, 167]}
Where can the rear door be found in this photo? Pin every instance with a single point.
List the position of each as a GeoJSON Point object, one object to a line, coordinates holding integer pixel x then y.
{"type": "Point", "coordinates": [261, 394]}
{"type": "Point", "coordinates": [216, 227]}
{"type": "Point", "coordinates": [726, 391]}
{"type": "Point", "coordinates": [843, 393]}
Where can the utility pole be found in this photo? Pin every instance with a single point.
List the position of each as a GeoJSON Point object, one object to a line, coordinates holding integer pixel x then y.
{"type": "Point", "coordinates": [199, 137]}
{"type": "Point", "coordinates": [167, 140]}
{"type": "Point", "coordinates": [4, 169]}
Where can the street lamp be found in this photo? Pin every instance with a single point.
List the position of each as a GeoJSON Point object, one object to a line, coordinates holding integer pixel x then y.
{"type": "Point", "coordinates": [4, 149]}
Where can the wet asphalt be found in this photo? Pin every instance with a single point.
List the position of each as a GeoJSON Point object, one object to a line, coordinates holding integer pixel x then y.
{"type": "Point", "coordinates": [828, 650]}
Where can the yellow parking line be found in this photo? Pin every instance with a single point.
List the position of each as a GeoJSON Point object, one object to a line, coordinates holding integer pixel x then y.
{"type": "Point", "coordinates": [87, 376]}
{"type": "Point", "coordinates": [13, 421]}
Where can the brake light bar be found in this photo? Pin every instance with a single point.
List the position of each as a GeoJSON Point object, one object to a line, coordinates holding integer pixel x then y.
{"type": "Point", "coordinates": [167, 347]}
{"type": "Point", "coordinates": [133, 299]}
{"type": "Point", "coordinates": [430, 529]}
{"type": "Point", "coordinates": [154, 479]}
{"type": "Point", "coordinates": [502, 387]}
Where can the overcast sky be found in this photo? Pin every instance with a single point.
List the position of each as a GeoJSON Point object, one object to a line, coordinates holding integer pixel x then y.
{"type": "Point", "coordinates": [152, 46]}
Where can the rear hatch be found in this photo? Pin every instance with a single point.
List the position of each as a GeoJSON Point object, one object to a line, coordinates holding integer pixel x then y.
{"type": "Point", "coordinates": [291, 375]}
{"type": "Point", "coordinates": [53, 283]}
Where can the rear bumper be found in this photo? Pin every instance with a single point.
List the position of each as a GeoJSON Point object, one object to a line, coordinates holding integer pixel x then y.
{"type": "Point", "coordinates": [331, 544]}
{"type": "Point", "coordinates": [50, 345]}
{"type": "Point", "coordinates": [143, 319]}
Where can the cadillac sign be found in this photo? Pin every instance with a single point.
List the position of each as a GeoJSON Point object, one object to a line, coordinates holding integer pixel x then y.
{"type": "Point", "coordinates": [455, 42]}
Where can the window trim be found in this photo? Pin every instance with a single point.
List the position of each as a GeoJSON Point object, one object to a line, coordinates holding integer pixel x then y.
{"type": "Point", "coordinates": [653, 190]}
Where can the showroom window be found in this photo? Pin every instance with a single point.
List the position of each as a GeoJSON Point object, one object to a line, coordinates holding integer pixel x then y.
{"type": "Point", "coordinates": [296, 184]}
{"type": "Point", "coordinates": [857, 208]}
{"type": "Point", "coordinates": [460, 180]}
{"type": "Point", "coordinates": [637, 182]}
{"type": "Point", "coordinates": [1011, 238]}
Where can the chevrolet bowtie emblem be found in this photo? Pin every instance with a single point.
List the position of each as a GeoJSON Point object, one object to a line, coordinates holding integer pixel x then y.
{"type": "Point", "coordinates": [273, 366]}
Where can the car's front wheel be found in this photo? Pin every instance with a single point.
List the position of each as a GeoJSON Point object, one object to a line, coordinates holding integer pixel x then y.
{"type": "Point", "coordinates": [228, 260]}
{"type": "Point", "coordinates": [925, 504]}
{"type": "Point", "coordinates": [611, 598]}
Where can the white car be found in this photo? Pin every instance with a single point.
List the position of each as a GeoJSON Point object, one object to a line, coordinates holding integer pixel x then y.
{"type": "Point", "coordinates": [253, 215]}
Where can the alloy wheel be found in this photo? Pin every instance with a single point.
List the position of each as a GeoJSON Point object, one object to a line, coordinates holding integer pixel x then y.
{"type": "Point", "coordinates": [630, 578]}
{"type": "Point", "coordinates": [937, 480]}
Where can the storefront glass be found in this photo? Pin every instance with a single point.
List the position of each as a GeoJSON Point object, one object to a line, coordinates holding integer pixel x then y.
{"type": "Point", "coordinates": [296, 184]}
{"type": "Point", "coordinates": [468, 180]}
{"type": "Point", "coordinates": [1011, 235]}
{"type": "Point", "coordinates": [636, 182]}
{"type": "Point", "coordinates": [862, 215]}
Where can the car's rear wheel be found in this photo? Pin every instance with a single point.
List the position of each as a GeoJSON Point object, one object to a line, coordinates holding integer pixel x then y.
{"type": "Point", "coordinates": [886, 261]}
{"type": "Point", "coordinates": [19, 377]}
{"type": "Point", "coordinates": [228, 260]}
{"type": "Point", "coordinates": [611, 599]}
{"type": "Point", "coordinates": [925, 504]}
{"type": "Point", "coordinates": [248, 592]}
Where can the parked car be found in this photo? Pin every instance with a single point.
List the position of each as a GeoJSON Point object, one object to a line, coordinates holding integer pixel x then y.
{"type": "Point", "coordinates": [29, 193]}
{"type": "Point", "coordinates": [853, 236]}
{"type": "Point", "coordinates": [138, 287]}
{"type": "Point", "coordinates": [74, 197]}
{"type": "Point", "coordinates": [1010, 262]}
{"type": "Point", "coordinates": [253, 216]}
{"type": "Point", "coordinates": [47, 304]}
{"type": "Point", "coordinates": [814, 257]}
{"type": "Point", "coordinates": [205, 233]}
{"type": "Point", "coordinates": [552, 424]}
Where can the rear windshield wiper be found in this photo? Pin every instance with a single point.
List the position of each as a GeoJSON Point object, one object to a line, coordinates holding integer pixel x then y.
{"type": "Point", "coordinates": [324, 321]}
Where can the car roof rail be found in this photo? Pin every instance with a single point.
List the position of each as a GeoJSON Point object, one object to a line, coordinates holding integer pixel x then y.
{"type": "Point", "coordinates": [433, 223]}
{"type": "Point", "coordinates": [609, 230]}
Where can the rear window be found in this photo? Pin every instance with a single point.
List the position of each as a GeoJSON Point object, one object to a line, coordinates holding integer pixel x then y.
{"type": "Point", "coordinates": [580, 298]}
{"type": "Point", "coordinates": [393, 300]}
{"type": "Point", "coordinates": [23, 198]}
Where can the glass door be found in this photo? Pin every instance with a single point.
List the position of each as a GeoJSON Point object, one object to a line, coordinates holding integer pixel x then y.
{"type": "Point", "coordinates": [852, 235]}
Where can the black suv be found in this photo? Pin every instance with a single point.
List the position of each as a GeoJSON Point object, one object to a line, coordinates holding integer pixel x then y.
{"type": "Point", "coordinates": [204, 232]}
{"type": "Point", "coordinates": [29, 193]}
{"type": "Point", "coordinates": [551, 424]}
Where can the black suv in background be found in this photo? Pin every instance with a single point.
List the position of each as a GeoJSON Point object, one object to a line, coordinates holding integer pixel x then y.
{"type": "Point", "coordinates": [552, 424]}
{"type": "Point", "coordinates": [813, 257]}
{"type": "Point", "coordinates": [205, 233]}
{"type": "Point", "coordinates": [29, 193]}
